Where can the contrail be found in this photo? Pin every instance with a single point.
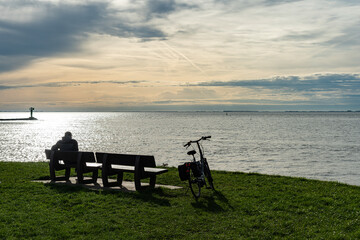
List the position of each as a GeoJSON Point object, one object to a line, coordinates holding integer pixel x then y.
{"type": "Point", "coordinates": [184, 57]}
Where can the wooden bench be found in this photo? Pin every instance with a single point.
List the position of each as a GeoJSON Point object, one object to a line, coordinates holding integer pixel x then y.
{"type": "Point", "coordinates": [82, 162]}
{"type": "Point", "coordinates": [116, 164]}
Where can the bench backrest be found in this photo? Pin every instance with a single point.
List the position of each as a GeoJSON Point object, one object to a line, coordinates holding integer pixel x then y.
{"type": "Point", "coordinates": [126, 159]}
{"type": "Point", "coordinates": [70, 157]}
{"type": "Point", "coordinates": [48, 153]}
{"type": "Point", "coordinates": [87, 157]}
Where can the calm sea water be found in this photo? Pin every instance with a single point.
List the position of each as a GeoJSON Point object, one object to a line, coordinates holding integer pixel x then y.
{"type": "Point", "coordinates": [323, 146]}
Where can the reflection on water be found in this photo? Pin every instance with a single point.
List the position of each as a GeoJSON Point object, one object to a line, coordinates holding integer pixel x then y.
{"type": "Point", "coordinates": [312, 145]}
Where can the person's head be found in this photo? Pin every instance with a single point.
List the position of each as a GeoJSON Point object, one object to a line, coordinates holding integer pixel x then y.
{"type": "Point", "coordinates": [68, 136]}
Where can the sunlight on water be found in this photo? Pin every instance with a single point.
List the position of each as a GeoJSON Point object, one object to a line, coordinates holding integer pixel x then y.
{"type": "Point", "coordinates": [313, 145]}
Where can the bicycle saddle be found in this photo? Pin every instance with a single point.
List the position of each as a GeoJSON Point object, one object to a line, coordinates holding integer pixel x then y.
{"type": "Point", "coordinates": [192, 152]}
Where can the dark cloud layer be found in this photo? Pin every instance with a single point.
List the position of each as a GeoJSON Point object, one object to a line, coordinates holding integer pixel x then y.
{"type": "Point", "coordinates": [66, 84]}
{"type": "Point", "coordinates": [162, 8]}
{"type": "Point", "coordinates": [61, 28]}
{"type": "Point", "coordinates": [336, 89]}
{"type": "Point", "coordinates": [318, 82]}
{"type": "Point", "coordinates": [278, 2]}
{"type": "Point", "coordinates": [58, 31]}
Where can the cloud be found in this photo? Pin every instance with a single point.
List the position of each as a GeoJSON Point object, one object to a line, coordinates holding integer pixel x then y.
{"type": "Point", "coordinates": [278, 2]}
{"type": "Point", "coordinates": [172, 102]}
{"type": "Point", "coordinates": [235, 5]}
{"type": "Point", "coordinates": [301, 36]}
{"type": "Point", "coordinates": [66, 84]}
{"type": "Point", "coordinates": [32, 29]}
{"type": "Point", "coordinates": [317, 82]}
{"type": "Point", "coordinates": [190, 93]}
{"type": "Point", "coordinates": [349, 37]}
{"type": "Point", "coordinates": [56, 28]}
{"type": "Point", "coordinates": [8, 63]}
{"type": "Point", "coordinates": [317, 89]}
{"type": "Point", "coordinates": [4, 87]}
{"type": "Point", "coordinates": [162, 8]}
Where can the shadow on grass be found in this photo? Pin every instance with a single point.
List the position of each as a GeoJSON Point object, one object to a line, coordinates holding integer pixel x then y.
{"type": "Point", "coordinates": [209, 203]}
{"type": "Point", "coordinates": [155, 196]}
{"type": "Point", "coordinates": [222, 198]}
{"type": "Point", "coordinates": [43, 178]}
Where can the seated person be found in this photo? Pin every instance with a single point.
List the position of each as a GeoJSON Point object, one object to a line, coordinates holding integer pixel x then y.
{"type": "Point", "coordinates": [66, 144]}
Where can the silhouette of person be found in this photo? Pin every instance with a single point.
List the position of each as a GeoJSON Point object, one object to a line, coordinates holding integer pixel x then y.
{"type": "Point", "coordinates": [66, 144]}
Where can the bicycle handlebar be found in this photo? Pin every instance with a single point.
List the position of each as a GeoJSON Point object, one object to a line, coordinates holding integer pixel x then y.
{"type": "Point", "coordinates": [190, 142]}
{"type": "Point", "coordinates": [187, 144]}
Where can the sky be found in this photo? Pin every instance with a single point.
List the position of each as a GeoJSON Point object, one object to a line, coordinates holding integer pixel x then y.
{"type": "Point", "coordinates": [161, 55]}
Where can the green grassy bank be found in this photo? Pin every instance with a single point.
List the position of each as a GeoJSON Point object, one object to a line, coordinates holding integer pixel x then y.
{"type": "Point", "coordinates": [245, 206]}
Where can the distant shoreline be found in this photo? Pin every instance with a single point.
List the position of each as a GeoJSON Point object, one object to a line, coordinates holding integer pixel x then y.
{"type": "Point", "coordinates": [295, 111]}
{"type": "Point", "coordinates": [219, 111]}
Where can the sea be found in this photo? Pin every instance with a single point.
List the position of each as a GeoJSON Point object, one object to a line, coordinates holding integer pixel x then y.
{"type": "Point", "coordinates": [313, 145]}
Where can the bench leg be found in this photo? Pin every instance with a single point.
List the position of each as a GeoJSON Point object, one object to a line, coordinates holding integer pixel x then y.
{"type": "Point", "coordinates": [104, 176]}
{"type": "Point", "coordinates": [137, 184]}
{"type": "Point", "coordinates": [52, 172]}
{"type": "Point", "coordinates": [53, 177]}
{"type": "Point", "coordinates": [137, 181]}
{"type": "Point", "coordinates": [152, 181]}
{"type": "Point", "coordinates": [80, 176]}
{"type": "Point", "coordinates": [95, 176]}
{"type": "Point", "coordinates": [67, 173]}
{"type": "Point", "coordinates": [120, 178]}
{"type": "Point", "coordinates": [105, 179]}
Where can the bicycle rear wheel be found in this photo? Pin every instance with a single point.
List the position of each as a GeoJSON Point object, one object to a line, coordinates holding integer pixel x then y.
{"type": "Point", "coordinates": [194, 184]}
{"type": "Point", "coordinates": [208, 175]}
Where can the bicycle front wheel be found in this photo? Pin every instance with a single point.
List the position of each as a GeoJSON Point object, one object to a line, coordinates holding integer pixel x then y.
{"type": "Point", "coordinates": [194, 184]}
{"type": "Point", "coordinates": [208, 175]}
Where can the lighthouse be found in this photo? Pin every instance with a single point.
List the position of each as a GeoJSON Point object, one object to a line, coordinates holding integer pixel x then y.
{"type": "Point", "coordinates": [31, 113]}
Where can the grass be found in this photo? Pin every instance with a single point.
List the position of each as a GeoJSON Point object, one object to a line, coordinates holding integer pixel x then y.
{"type": "Point", "coordinates": [245, 206]}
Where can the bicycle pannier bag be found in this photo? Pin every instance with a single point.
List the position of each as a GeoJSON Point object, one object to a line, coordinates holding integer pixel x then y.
{"type": "Point", "coordinates": [184, 171]}
{"type": "Point", "coordinates": [195, 167]}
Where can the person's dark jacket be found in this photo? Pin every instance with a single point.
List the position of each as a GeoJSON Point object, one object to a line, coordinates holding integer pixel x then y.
{"type": "Point", "coordinates": [66, 145]}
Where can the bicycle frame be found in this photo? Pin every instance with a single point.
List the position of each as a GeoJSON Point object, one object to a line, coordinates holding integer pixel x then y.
{"type": "Point", "coordinates": [201, 160]}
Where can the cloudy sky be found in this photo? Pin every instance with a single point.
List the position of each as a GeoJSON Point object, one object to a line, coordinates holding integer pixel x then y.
{"type": "Point", "coordinates": [180, 55]}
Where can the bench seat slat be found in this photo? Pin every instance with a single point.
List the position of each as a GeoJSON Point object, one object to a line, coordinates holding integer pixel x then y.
{"type": "Point", "coordinates": [155, 170]}
{"type": "Point", "coordinates": [132, 169]}
{"type": "Point", "coordinates": [123, 167]}
{"type": "Point", "coordinates": [94, 164]}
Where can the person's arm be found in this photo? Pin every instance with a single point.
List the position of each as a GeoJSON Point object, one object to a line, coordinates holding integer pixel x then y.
{"type": "Point", "coordinates": [55, 147]}
{"type": "Point", "coordinates": [76, 148]}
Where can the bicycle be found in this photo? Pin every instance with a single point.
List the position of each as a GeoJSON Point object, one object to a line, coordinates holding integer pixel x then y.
{"type": "Point", "coordinates": [199, 170]}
